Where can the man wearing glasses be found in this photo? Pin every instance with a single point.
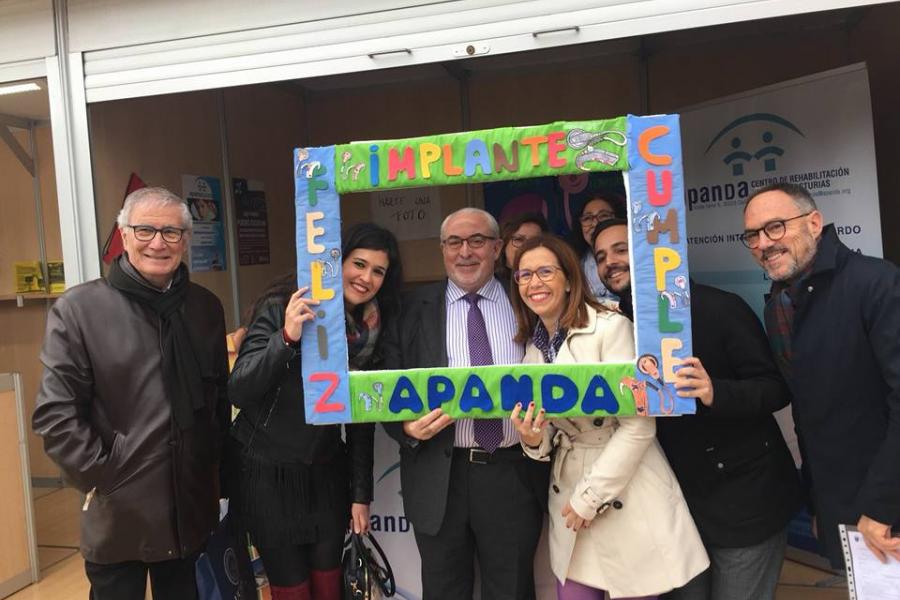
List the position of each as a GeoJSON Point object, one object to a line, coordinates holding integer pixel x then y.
{"type": "Point", "coordinates": [833, 320]}
{"type": "Point", "coordinates": [132, 406]}
{"type": "Point", "coordinates": [468, 489]}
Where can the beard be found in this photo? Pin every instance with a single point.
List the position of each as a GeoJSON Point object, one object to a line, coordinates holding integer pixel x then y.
{"type": "Point", "coordinates": [792, 263]}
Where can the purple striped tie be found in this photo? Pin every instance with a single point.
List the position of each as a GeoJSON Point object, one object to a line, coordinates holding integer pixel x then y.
{"type": "Point", "coordinates": [488, 432]}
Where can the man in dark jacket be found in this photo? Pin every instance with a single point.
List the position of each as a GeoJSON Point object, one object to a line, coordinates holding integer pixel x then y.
{"type": "Point", "coordinates": [730, 458]}
{"type": "Point", "coordinates": [833, 319]}
{"type": "Point", "coordinates": [132, 406]}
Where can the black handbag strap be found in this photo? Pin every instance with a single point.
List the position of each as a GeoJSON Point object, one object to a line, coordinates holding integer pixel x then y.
{"type": "Point", "coordinates": [379, 564]}
{"type": "Point", "coordinates": [386, 581]}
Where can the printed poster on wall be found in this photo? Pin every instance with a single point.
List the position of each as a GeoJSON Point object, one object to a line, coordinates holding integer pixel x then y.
{"type": "Point", "coordinates": [252, 220]}
{"type": "Point", "coordinates": [815, 131]}
{"type": "Point", "coordinates": [204, 198]}
{"type": "Point", "coordinates": [410, 214]}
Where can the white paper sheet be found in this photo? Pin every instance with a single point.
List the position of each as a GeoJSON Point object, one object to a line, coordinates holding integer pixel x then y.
{"type": "Point", "coordinates": [867, 577]}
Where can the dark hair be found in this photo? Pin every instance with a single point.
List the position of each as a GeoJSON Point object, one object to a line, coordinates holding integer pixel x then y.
{"type": "Point", "coordinates": [372, 237]}
{"type": "Point", "coordinates": [576, 237]}
{"type": "Point", "coordinates": [509, 229]}
{"type": "Point", "coordinates": [799, 194]}
{"type": "Point", "coordinates": [575, 314]}
{"type": "Point", "coordinates": [363, 235]}
{"type": "Point", "coordinates": [603, 226]}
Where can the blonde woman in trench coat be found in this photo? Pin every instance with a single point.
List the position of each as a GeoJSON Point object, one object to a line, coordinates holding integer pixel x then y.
{"type": "Point", "coordinates": [618, 520]}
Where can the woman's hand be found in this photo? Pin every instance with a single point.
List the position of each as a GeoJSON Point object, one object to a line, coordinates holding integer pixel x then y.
{"type": "Point", "coordinates": [573, 519]}
{"type": "Point", "coordinates": [531, 433]}
{"type": "Point", "coordinates": [299, 311]}
{"type": "Point", "coordinates": [359, 518]}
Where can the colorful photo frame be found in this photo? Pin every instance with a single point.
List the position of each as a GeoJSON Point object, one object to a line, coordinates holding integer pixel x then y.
{"type": "Point", "coordinates": [648, 152]}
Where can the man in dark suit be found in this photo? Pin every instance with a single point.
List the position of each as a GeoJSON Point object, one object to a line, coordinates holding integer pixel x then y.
{"type": "Point", "coordinates": [833, 319]}
{"type": "Point", "coordinates": [730, 458]}
{"type": "Point", "coordinates": [468, 489]}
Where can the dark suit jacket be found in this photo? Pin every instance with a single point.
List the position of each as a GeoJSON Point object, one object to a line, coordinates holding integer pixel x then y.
{"type": "Point", "coordinates": [731, 460]}
{"type": "Point", "coordinates": [418, 339]}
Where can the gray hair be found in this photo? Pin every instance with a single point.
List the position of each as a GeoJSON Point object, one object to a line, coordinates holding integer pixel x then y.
{"type": "Point", "coordinates": [154, 196]}
{"type": "Point", "coordinates": [799, 194]}
{"type": "Point", "coordinates": [469, 210]}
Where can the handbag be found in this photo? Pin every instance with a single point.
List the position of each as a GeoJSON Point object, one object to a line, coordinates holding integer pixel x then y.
{"type": "Point", "coordinates": [367, 573]}
{"type": "Point", "coordinates": [223, 570]}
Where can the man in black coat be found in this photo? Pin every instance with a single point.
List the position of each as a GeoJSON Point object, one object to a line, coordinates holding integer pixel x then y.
{"type": "Point", "coordinates": [833, 319]}
{"type": "Point", "coordinates": [464, 497]}
{"type": "Point", "coordinates": [133, 409]}
{"type": "Point", "coordinates": [730, 458]}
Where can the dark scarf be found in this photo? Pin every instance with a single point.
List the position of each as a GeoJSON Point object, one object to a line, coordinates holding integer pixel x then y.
{"type": "Point", "coordinates": [778, 316]}
{"type": "Point", "coordinates": [180, 369]}
{"type": "Point", "coordinates": [548, 346]}
{"type": "Point", "coordinates": [362, 335]}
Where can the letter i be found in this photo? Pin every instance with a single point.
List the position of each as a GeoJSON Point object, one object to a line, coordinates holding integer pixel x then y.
{"type": "Point", "coordinates": [373, 165]}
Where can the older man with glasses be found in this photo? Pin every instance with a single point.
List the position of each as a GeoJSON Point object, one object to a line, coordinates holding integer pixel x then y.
{"type": "Point", "coordinates": [467, 488]}
{"type": "Point", "coordinates": [132, 406]}
{"type": "Point", "coordinates": [833, 320]}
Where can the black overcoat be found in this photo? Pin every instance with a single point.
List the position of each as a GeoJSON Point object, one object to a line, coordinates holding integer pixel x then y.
{"type": "Point", "coordinates": [845, 380]}
{"type": "Point", "coordinates": [731, 460]}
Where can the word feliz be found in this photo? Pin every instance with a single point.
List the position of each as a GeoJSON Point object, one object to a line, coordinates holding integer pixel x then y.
{"type": "Point", "coordinates": [423, 159]}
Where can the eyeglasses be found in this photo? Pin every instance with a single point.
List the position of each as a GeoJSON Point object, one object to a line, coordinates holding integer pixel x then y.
{"type": "Point", "coordinates": [146, 233]}
{"type": "Point", "coordinates": [545, 274]}
{"type": "Point", "coordinates": [518, 240]}
{"type": "Point", "coordinates": [454, 242]}
{"type": "Point", "coordinates": [588, 219]}
{"type": "Point", "coordinates": [774, 230]}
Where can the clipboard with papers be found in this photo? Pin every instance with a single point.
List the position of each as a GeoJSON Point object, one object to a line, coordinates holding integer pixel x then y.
{"type": "Point", "coordinates": [867, 577]}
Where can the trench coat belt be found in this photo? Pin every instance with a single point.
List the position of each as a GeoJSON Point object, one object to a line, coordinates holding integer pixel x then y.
{"type": "Point", "coordinates": [563, 442]}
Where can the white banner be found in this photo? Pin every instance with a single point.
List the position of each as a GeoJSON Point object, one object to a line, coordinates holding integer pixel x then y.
{"type": "Point", "coordinates": [389, 525]}
{"type": "Point", "coordinates": [815, 131]}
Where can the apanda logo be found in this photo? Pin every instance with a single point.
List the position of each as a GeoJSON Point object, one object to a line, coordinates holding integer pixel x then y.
{"type": "Point", "coordinates": [754, 137]}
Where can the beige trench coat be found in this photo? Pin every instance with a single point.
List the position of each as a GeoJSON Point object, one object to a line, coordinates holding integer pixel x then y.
{"type": "Point", "coordinates": [642, 540]}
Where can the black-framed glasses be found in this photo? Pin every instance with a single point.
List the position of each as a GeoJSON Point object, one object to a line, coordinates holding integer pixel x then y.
{"type": "Point", "coordinates": [774, 230]}
{"type": "Point", "coordinates": [545, 274]}
{"type": "Point", "coordinates": [146, 233]}
{"type": "Point", "coordinates": [454, 242]}
{"type": "Point", "coordinates": [590, 219]}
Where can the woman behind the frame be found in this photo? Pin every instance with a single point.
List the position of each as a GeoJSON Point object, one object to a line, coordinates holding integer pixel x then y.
{"type": "Point", "coordinates": [293, 486]}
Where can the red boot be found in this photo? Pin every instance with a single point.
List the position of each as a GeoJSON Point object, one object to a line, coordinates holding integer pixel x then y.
{"type": "Point", "coordinates": [294, 592]}
{"type": "Point", "coordinates": [326, 585]}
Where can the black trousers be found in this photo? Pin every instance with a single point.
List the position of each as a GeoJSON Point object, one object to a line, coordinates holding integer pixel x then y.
{"type": "Point", "coordinates": [493, 514]}
{"type": "Point", "coordinates": [169, 579]}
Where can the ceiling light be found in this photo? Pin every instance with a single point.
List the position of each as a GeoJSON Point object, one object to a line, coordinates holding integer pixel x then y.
{"type": "Point", "coordinates": [19, 87]}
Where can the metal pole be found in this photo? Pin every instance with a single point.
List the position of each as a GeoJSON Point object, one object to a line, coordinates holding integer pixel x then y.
{"type": "Point", "coordinates": [228, 199]}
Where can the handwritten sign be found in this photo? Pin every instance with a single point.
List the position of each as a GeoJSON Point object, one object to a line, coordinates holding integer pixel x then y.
{"type": "Point", "coordinates": [410, 214]}
{"type": "Point", "coordinates": [658, 247]}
